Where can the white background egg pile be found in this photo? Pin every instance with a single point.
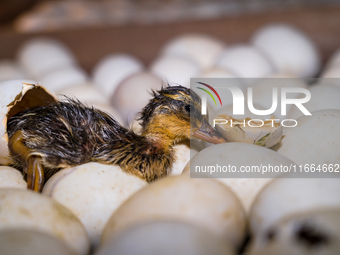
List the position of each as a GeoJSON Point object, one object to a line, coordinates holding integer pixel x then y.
{"type": "Point", "coordinates": [98, 206]}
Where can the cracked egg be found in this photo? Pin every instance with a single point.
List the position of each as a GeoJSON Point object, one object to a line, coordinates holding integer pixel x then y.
{"type": "Point", "coordinates": [265, 133]}
{"type": "Point", "coordinates": [16, 96]}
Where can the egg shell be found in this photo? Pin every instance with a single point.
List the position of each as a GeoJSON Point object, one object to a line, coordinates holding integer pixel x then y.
{"type": "Point", "coordinates": [112, 70]}
{"type": "Point", "coordinates": [288, 49]}
{"type": "Point", "coordinates": [183, 153]}
{"type": "Point", "coordinates": [92, 191]}
{"type": "Point", "coordinates": [267, 135]}
{"type": "Point", "coordinates": [245, 61]}
{"type": "Point", "coordinates": [25, 209]}
{"type": "Point", "coordinates": [15, 96]}
{"type": "Point", "coordinates": [9, 70]}
{"type": "Point", "coordinates": [11, 178]}
{"type": "Point", "coordinates": [245, 186]}
{"type": "Point", "coordinates": [284, 197]}
{"type": "Point", "coordinates": [175, 69]}
{"type": "Point", "coordinates": [134, 93]}
{"type": "Point", "coordinates": [322, 97]}
{"type": "Point", "coordinates": [42, 55]}
{"type": "Point", "coordinates": [24, 241]}
{"type": "Point", "coordinates": [262, 92]}
{"type": "Point", "coordinates": [166, 238]}
{"type": "Point", "coordinates": [202, 202]}
{"type": "Point", "coordinates": [63, 78]}
{"type": "Point", "coordinates": [202, 49]}
{"type": "Point", "coordinates": [302, 234]}
{"type": "Point", "coordinates": [314, 140]}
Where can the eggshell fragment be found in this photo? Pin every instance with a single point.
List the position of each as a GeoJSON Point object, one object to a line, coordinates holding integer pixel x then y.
{"type": "Point", "coordinates": [284, 197]}
{"type": "Point", "coordinates": [245, 185]}
{"type": "Point", "coordinates": [302, 234]}
{"type": "Point", "coordinates": [245, 61]}
{"type": "Point", "coordinates": [314, 140]}
{"type": "Point", "coordinates": [166, 238]}
{"type": "Point", "coordinates": [202, 202]}
{"type": "Point", "coordinates": [25, 209]}
{"type": "Point", "coordinates": [174, 69]}
{"type": "Point", "coordinates": [42, 55]}
{"type": "Point", "coordinates": [15, 96]}
{"type": "Point", "coordinates": [112, 70]}
{"type": "Point", "coordinates": [288, 49]}
{"type": "Point", "coordinates": [11, 178]}
{"type": "Point", "coordinates": [202, 49]}
{"type": "Point", "coordinates": [24, 241]}
{"type": "Point", "coordinates": [92, 192]}
{"type": "Point", "coordinates": [133, 94]}
{"type": "Point", "coordinates": [264, 133]}
{"type": "Point", "coordinates": [63, 78]}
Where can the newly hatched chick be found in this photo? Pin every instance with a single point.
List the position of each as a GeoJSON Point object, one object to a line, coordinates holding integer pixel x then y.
{"type": "Point", "coordinates": [67, 133]}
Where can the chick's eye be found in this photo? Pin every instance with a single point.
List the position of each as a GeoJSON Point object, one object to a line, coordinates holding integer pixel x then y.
{"type": "Point", "coordinates": [187, 108]}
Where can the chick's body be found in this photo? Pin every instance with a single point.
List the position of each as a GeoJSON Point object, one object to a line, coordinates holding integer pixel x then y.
{"type": "Point", "coordinates": [69, 134]}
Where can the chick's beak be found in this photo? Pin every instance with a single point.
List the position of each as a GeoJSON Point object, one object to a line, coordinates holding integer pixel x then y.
{"type": "Point", "coordinates": [207, 133]}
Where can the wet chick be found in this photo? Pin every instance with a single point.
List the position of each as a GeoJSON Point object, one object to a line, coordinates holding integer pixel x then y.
{"type": "Point", "coordinates": [67, 133]}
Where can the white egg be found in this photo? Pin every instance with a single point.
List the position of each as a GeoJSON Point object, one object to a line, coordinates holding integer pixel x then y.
{"type": "Point", "coordinates": [112, 70]}
{"type": "Point", "coordinates": [42, 55]}
{"type": "Point", "coordinates": [92, 192]}
{"type": "Point", "coordinates": [174, 69]}
{"type": "Point", "coordinates": [183, 153]}
{"type": "Point", "coordinates": [166, 238]}
{"type": "Point", "coordinates": [312, 233]}
{"type": "Point", "coordinates": [245, 61]}
{"type": "Point", "coordinates": [9, 70]}
{"type": "Point", "coordinates": [25, 209]}
{"type": "Point", "coordinates": [134, 93]}
{"type": "Point", "coordinates": [11, 178]}
{"type": "Point", "coordinates": [16, 95]}
{"type": "Point", "coordinates": [284, 197]}
{"type": "Point", "coordinates": [24, 241]}
{"type": "Point", "coordinates": [63, 78]}
{"type": "Point", "coordinates": [202, 49]}
{"type": "Point", "coordinates": [323, 97]}
{"type": "Point", "coordinates": [288, 49]}
{"type": "Point", "coordinates": [86, 93]}
{"type": "Point", "coordinates": [314, 140]}
{"type": "Point", "coordinates": [245, 185]}
{"type": "Point", "coordinates": [262, 92]}
{"type": "Point", "coordinates": [204, 203]}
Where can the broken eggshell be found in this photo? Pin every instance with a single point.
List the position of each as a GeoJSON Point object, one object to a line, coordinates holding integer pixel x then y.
{"type": "Point", "coordinates": [264, 133]}
{"type": "Point", "coordinates": [16, 96]}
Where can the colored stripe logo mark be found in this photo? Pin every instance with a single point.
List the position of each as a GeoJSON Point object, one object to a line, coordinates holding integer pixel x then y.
{"type": "Point", "coordinates": [208, 92]}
